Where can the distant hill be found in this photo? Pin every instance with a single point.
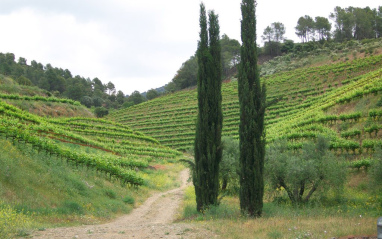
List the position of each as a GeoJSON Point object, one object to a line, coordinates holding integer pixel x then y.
{"type": "Point", "coordinates": [61, 83]}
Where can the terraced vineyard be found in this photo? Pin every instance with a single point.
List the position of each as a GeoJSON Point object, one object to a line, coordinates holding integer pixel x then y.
{"type": "Point", "coordinates": [338, 100]}
{"type": "Point", "coordinates": [108, 147]}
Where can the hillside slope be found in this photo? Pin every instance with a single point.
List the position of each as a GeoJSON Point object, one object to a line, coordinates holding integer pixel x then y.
{"type": "Point", "coordinates": [306, 99]}
{"type": "Point", "coordinates": [59, 170]}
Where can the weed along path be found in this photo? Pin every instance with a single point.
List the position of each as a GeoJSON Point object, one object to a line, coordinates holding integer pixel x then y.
{"type": "Point", "coordinates": [153, 219]}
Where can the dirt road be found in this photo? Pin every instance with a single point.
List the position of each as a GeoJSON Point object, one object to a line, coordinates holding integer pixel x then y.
{"type": "Point", "coordinates": [153, 219]}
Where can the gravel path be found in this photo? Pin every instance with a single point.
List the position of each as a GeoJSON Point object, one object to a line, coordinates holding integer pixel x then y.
{"type": "Point", "coordinates": [153, 219]}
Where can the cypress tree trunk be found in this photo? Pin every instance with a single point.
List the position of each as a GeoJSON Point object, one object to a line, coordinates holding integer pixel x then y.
{"type": "Point", "coordinates": [252, 109]}
{"type": "Point", "coordinates": [208, 151]}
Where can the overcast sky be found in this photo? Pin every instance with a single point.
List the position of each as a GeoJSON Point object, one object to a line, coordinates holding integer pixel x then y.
{"type": "Point", "coordinates": [136, 44]}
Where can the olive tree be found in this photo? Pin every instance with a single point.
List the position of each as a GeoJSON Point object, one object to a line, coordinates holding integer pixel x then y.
{"type": "Point", "coordinates": [301, 174]}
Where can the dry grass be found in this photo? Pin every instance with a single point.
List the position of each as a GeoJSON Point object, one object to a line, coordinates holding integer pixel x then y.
{"type": "Point", "coordinates": [298, 227]}
{"type": "Point", "coordinates": [285, 221]}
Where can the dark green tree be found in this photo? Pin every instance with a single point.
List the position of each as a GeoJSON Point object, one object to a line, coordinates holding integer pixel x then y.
{"type": "Point", "coordinates": [22, 61]}
{"type": "Point", "coordinates": [252, 109]}
{"type": "Point", "coordinates": [344, 24]}
{"type": "Point", "coordinates": [378, 22]}
{"type": "Point", "coordinates": [273, 35]}
{"type": "Point", "coordinates": [152, 94]}
{"type": "Point", "coordinates": [97, 84]}
{"type": "Point", "coordinates": [313, 170]}
{"type": "Point", "coordinates": [136, 98]}
{"type": "Point", "coordinates": [230, 55]}
{"type": "Point", "coordinates": [323, 27]}
{"type": "Point", "coordinates": [120, 97]}
{"type": "Point", "coordinates": [208, 150]}
{"type": "Point", "coordinates": [22, 80]}
{"type": "Point", "coordinates": [87, 101]}
{"type": "Point", "coordinates": [288, 46]}
{"type": "Point", "coordinates": [363, 20]}
{"type": "Point", "coordinates": [186, 76]}
{"type": "Point", "coordinates": [305, 28]}
{"type": "Point", "coordinates": [101, 112]}
{"type": "Point", "coordinates": [110, 87]}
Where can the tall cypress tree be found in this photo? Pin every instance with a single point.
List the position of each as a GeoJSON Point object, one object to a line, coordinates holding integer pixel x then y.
{"type": "Point", "coordinates": [208, 151]}
{"type": "Point", "coordinates": [252, 109]}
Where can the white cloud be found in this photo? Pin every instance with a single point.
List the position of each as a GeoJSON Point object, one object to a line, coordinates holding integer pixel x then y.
{"type": "Point", "coordinates": [56, 39]}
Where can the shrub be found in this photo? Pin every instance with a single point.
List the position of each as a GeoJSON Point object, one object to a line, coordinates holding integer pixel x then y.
{"type": "Point", "coordinates": [71, 207]}
{"type": "Point", "coordinates": [87, 101]}
{"type": "Point", "coordinates": [361, 163]}
{"type": "Point", "coordinates": [229, 165]}
{"type": "Point", "coordinates": [129, 200]}
{"type": "Point", "coordinates": [110, 193]}
{"type": "Point", "coordinates": [314, 169]}
{"type": "Point", "coordinates": [101, 112]}
{"type": "Point", "coordinates": [11, 222]}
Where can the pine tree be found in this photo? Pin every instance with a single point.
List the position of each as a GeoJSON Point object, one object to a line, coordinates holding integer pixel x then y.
{"type": "Point", "coordinates": [252, 109]}
{"type": "Point", "coordinates": [208, 151]}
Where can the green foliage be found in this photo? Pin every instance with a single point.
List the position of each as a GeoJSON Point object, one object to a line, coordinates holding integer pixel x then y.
{"type": "Point", "coordinates": [252, 110]}
{"type": "Point", "coordinates": [287, 47]}
{"type": "Point", "coordinates": [361, 163]}
{"type": "Point", "coordinates": [208, 150]}
{"type": "Point", "coordinates": [110, 193]}
{"type": "Point", "coordinates": [350, 134]}
{"type": "Point", "coordinates": [186, 76]}
{"type": "Point", "coordinates": [101, 112]}
{"type": "Point", "coordinates": [314, 170]}
{"type": "Point", "coordinates": [129, 200]}
{"type": "Point", "coordinates": [230, 54]}
{"type": "Point", "coordinates": [87, 101]}
{"type": "Point", "coordinates": [356, 23]}
{"type": "Point", "coordinates": [22, 80]}
{"type": "Point", "coordinates": [273, 34]}
{"type": "Point", "coordinates": [305, 28]}
{"type": "Point", "coordinates": [229, 166]}
{"type": "Point", "coordinates": [38, 98]}
{"type": "Point", "coordinates": [152, 94]}
{"type": "Point", "coordinates": [135, 98]}
{"type": "Point", "coordinates": [379, 103]}
{"type": "Point", "coordinates": [71, 207]}
{"type": "Point", "coordinates": [322, 27]}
